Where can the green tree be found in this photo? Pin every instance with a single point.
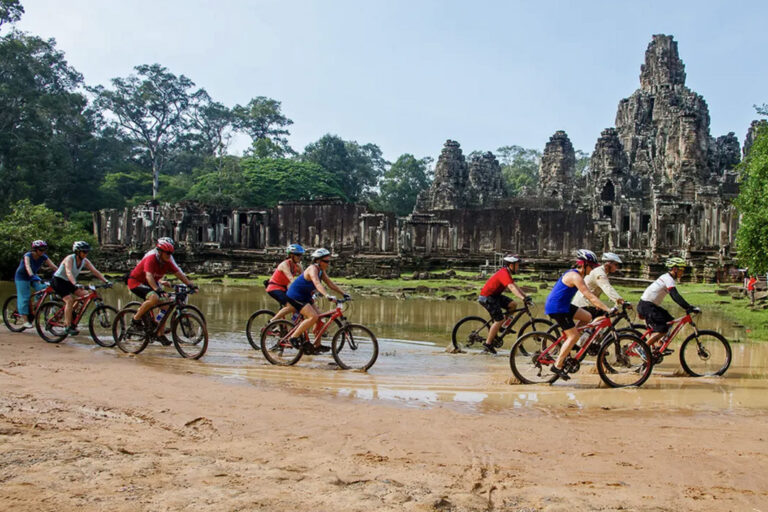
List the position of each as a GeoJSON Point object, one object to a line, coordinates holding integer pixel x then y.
{"type": "Point", "coordinates": [401, 184]}
{"type": "Point", "coordinates": [356, 167]}
{"type": "Point", "coordinates": [519, 168]}
{"type": "Point", "coordinates": [27, 222]}
{"type": "Point", "coordinates": [221, 182]}
{"type": "Point", "coordinates": [262, 119]}
{"type": "Point", "coordinates": [10, 11]}
{"type": "Point", "coordinates": [752, 236]}
{"type": "Point", "coordinates": [272, 180]}
{"type": "Point", "coordinates": [582, 163]}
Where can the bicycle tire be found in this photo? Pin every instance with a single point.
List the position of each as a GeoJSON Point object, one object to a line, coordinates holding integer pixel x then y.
{"type": "Point", "coordinates": [355, 347]}
{"type": "Point", "coordinates": [267, 315]}
{"type": "Point", "coordinates": [693, 355]}
{"type": "Point", "coordinates": [100, 325]}
{"type": "Point", "coordinates": [536, 324]}
{"type": "Point", "coordinates": [476, 335]}
{"type": "Point", "coordinates": [625, 361]}
{"type": "Point", "coordinates": [11, 317]}
{"type": "Point", "coordinates": [523, 358]}
{"type": "Point", "coordinates": [632, 331]}
{"type": "Point", "coordinates": [191, 308]}
{"type": "Point", "coordinates": [190, 335]}
{"type": "Point", "coordinates": [274, 344]}
{"type": "Point", "coordinates": [127, 339]}
{"type": "Point", "coordinates": [49, 322]}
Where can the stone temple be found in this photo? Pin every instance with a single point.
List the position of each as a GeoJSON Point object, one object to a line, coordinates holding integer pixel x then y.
{"type": "Point", "coordinates": [658, 184]}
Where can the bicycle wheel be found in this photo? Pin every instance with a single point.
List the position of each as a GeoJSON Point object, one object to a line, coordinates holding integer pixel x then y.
{"type": "Point", "coordinates": [11, 317]}
{"type": "Point", "coordinates": [536, 324]}
{"type": "Point", "coordinates": [190, 335]}
{"type": "Point", "coordinates": [705, 354]}
{"type": "Point", "coordinates": [49, 322]}
{"type": "Point", "coordinates": [355, 347]}
{"type": "Point", "coordinates": [471, 331]}
{"type": "Point", "coordinates": [275, 345]}
{"type": "Point", "coordinates": [624, 361]}
{"type": "Point", "coordinates": [129, 339]}
{"type": "Point", "coordinates": [100, 325]}
{"type": "Point", "coordinates": [524, 358]}
{"type": "Point", "coordinates": [191, 308]}
{"type": "Point", "coordinates": [255, 325]}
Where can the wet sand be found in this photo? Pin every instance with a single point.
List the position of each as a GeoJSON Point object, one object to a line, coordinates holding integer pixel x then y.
{"type": "Point", "coordinates": [84, 428]}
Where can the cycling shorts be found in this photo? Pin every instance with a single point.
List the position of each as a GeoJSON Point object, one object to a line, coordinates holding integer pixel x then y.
{"type": "Point", "coordinates": [496, 305]}
{"type": "Point", "coordinates": [565, 320]}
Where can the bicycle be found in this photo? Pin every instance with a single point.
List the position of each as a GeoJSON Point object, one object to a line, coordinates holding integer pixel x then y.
{"type": "Point", "coordinates": [702, 354]}
{"type": "Point", "coordinates": [623, 314]}
{"type": "Point", "coordinates": [354, 346]}
{"type": "Point", "coordinates": [473, 330]}
{"type": "Point", "coordinates": [51, 325]}
{"type": "Point", "coordinates": [13, 320]}
{"type": "Point", "coordinates": [259, 320]}
{"type": "Point", "coordinates": [623, 359]}
{"type": "Point", "coordinates": [188, 329]}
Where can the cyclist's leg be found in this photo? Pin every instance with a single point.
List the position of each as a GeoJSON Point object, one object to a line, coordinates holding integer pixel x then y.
{"type": "Point", "coordinates": [494, 305]}
{"type": "Point", "coordinates": [151, 299]}
{"type": "Point", "coordinates": [311, 315]}
{"type": "Point", "coordinates": [282, 299]}
{"type": "Point", "coordinates": [656, 317]}
{"type": "Point", "coordinates": [23, 293]}
{"type": "Point", "coordinates": [69, 308]}
{"type": "Point", "coordinates": [567, 322]}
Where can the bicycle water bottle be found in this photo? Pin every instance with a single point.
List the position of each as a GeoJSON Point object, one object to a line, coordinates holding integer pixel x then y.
{"type": "Point", "coordinates": [160, 316]}
{"type": "Point", "coordinates": [507, 322]}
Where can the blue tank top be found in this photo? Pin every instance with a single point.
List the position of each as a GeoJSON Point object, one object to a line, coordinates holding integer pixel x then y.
{"type": "Point", "coordinates": [21, 272]}
{"type": "Point", "coordinates": [301, 289]}
{"type": "Point", "coordinates": [559, 299]}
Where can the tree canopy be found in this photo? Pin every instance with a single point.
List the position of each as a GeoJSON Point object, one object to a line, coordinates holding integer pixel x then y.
{"type": "Point", "coordinates": [752, 237]}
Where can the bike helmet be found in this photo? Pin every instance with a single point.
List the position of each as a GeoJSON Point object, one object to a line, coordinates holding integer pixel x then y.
{"type": "Point", "coordinates": [166, 244]}
{"type": "Point", "coordinates": [295, 249]}
{"type": "Point", "coordinates": [510, 258]}
{"type": "Point", "coordinates": [676, 262]}
{"type": "Point", "coordinates": [320, 253]}
{"type": "Point", "coordinates": [39, 244]}
{"type": "Point", "coordinates": [81, 245]}
{"type": "Point", "coordinates": [586, 256]}
{"type": "Point", "coordinates": [612, 256]}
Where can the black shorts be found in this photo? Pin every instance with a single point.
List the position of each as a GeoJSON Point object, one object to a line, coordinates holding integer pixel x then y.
{"type": "Point", "coordinates": [565, 320]}
{"type": "Point", "coordinates": [298, 306]}
{"type": "Point", "coordinates": [142, 291]}
{"type": "Point", "coordinates": [595, 312]}
{"type": "Point", "coordinates": [62, 287]}
{"type": "Point", "coordinates": [280, 296]}
{"type": "Point", "coordinates": [497, 305]}
{"type": "Point", "coordinates": [655, 316]}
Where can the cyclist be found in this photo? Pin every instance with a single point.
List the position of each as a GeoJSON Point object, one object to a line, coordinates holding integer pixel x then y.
{"type": "Point", "coordinates": [300, 297]}
{"type": "Point", "coordinates": [650, 308]}
{"type": "Point", "coordinates": [491, 297]}
{"type": "Point", "coordinates": [285, 272]}
{"type": "Point", "coordinates": [597, 282]}
{"type": "Point", "coordinates": [145, 280]}
{"type": "Point", "coordinates": [26, 277]}
{"type": "Point", "coordinates": [560, 309]}
{"type": "Point", "coordinates": [64, 281]}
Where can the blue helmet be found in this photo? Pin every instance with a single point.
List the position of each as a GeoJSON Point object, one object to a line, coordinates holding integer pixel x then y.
{"type": "Point", "coordinates": [295, 249]}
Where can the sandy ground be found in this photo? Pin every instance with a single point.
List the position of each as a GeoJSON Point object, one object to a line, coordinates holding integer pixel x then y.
{"type": "Point", "coordinates": [85, 430]}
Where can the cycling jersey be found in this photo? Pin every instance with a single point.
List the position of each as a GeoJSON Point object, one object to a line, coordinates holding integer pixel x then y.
{"type": "Point", "coordinates": [301, 288]}
{"type": "Point", "coordinates": [597, 282]}
{"type": "Point", "coordinates": [659, 289]}
{"type": "Point", "coordinates": [559, 299]}
{"type": "Point", "coordinates": [61, 273]}
{"type": "Point", "coordinates": [497, 283]}
{"type": "Point", "coordinates": [151, 263]}
{"type": "Point", "coordinates": [279, 281]}
{"type": "Point", "coordinates": [35, 264]}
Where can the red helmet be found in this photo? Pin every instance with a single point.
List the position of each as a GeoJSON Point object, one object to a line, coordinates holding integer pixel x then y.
{"type": "Point", "coordinates": [166, 244]}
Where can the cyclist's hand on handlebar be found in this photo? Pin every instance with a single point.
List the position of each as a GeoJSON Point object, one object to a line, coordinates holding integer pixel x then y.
{"type": "Point", "coordinates": [107, 284]}
{"type": "Point", "coordinates": [331, 298]}
{"type": "Point", "coordinates": [528, 300]}
{"type": "Point", "coordinates": [346, 296]}
{"type": "Point", "coordinates": [612, 311]}
{"type": "Point", "coordinates": [160, 292]}
{"type": "Point", "coordinates": [693, 310]}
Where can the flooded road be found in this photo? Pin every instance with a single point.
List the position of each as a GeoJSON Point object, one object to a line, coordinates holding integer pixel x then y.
{"type": "Point", "coordinates": [413, 368]}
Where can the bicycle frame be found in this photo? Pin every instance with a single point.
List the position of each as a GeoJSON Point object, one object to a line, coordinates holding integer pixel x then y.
{"type": "Point", "coordinates": [41, 295]}
{"type": "Point", "coordinates": [325, 320]}
{"type": "Point", "coordinates": [79, 307]}
{"type": "Point", "coordinates": [177, 299]}
{"type": "Point", "coordinates": [599, 325]}
{"type": "Point", "coordinates": [515, 315]}
{"type": "Point", "coordinates": [678, 324]}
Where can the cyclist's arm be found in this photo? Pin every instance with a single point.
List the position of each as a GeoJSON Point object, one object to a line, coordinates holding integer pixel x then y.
{"type": "Point", "coordinates": [51, 265]}
{"type": "Point", "coordinates": [516, 290]}
{"type": "Point", "coordinates": [331, 284]}
{"type": "Point", "coordinates": [68, 271]}
{"type": "Point", "coordinates": [285, 269]}
{"type": "Point", "coordinates": [183, 277]}
{"type": "Point", "coordinates": [577, 281]}
{"type": "Point", "coordinates": [95, 272]}
{"type": "Point", "coordinates": [28, 266]}
{"type": "Point", "coordinates": [151, 281]}
{"type": "Point", "coordinates": [679, 299]}
{"type": "Point", "coordinates": [316, 280]}
{"type": "Point", "coordinates": [610, 291]}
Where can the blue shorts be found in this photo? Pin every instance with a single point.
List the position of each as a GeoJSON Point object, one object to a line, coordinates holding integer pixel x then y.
{"type": "Point", "coordinates": [280, 296]}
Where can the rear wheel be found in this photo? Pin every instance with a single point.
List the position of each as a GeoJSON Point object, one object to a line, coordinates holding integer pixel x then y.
{"type": "Point", "coordinates": [49, 322]}
{"type": "Point", "coordinates": [129, 339]}
{"type": "Point", "coordinates": [256, 324]}
{"type": "Point", "coordinates": [100, 325]}
{"type": "Point", "coordinates": [190, 335]}
{"type": "Point", "coordinates": [624, 361]}
{"type": "Point", "coordinates": [275, 345]}
{"type": "Point", "coordinates": [471, 331]}
{"type": "Point", "coordinates": [536, 324]}
{"type": "Point", "coordinates": [11, 317]}
{"type": "Point", "coordinates": [355, 347]}
{"type": "Point", "coordinates": [525, 360]}
{"type": "Point", "coordinates": [705, 354]}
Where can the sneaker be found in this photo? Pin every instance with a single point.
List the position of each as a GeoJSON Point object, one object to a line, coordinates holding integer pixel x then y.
{"type": "Point", "coordinates": [560, 373]}
{"type": "Point", "coordinates": [308, 348]}
{"type": "Point", "coordinates": [163, 340]}
{"type": "Point", "coordinates": [489, 349]}
{"type": "Point", "coordinates": [322, 349]}
{"type": "Point", "coordinates": [27, 325]}
{"type": "Point", "coordinates": [72, 331]}
{"type": "Point", "coordinates": [296, 342]}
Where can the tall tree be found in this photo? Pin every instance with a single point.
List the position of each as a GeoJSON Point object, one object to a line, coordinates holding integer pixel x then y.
{"type": "Point", "coordinates": [150, 109]}
{"type": "Point", "coordinates": [519, 168]}
{"type": "Point", "coordinates": [401, 183]}
{"type": "Point", "coordinates": [752, 237]}
{"type": "Point", "coordinates": [262, 119]}
{"type": "Point", "coordinates": [10, 11]}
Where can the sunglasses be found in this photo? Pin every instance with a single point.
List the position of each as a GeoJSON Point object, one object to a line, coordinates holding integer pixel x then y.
{"type": "Point", "coordinates": [325, 261]}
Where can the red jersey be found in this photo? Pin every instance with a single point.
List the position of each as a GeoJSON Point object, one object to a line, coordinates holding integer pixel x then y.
{"type": "Point", "coordinates": [497, 283]}
{"type": "Point", "coordinates": [751, 284]}
{"type": "Point", "coordinates": [151, 263]}
{"type": "Point", "coordinates": [278, 281]}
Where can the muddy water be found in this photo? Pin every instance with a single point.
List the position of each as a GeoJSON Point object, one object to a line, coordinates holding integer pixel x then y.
{"type": "Point", "coordinates": [413, 368]}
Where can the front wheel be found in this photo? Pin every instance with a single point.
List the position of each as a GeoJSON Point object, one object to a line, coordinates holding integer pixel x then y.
{"type": "Point", "coordinates": [705, 354]}
{"type": "Point", "coordinates": [255, 325]}
{"type": "Point", "coordinates": [190, 335]}
{"type": "Point", "coordinates": [625, 360]}
{"type": "Point", "coordinates": [355, 347]}
{"type": "Point", "coordinates": [129, 338]}
{"type": "Point", "coordinates": [275, 344]}
{"type": "Point", "coordinates": [468, 332]}
{"type": "Point", "coordinates": [100, 325]}
{"type": "Point", "coordinates": [49, 322]}
{"type": "Point", "coordinates": [535, 324]}
{"type": "Point", "coordinates": [526, 359]}
{"type": "Point", "coordinates": [11, 317]}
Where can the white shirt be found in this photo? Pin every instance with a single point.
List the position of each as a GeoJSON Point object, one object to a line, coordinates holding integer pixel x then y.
{"type": "Point", "coordinates": [597, 282]}
{"type": "Point", "coordinates": [659, 289]}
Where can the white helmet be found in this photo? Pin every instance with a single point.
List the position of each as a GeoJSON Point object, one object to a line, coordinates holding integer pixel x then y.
{"type": "Point", "coordinates": [320, 253]}
{"type": "Point", "coordinates": [510, 258]}
{"type": "Point", "coordinates": [612, 256]}
{"type": "Point", "coordinates": [586, 256]}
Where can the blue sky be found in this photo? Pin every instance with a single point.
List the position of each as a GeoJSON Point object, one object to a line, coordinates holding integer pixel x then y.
{"type": "Point", "coordinates": [407, 75]}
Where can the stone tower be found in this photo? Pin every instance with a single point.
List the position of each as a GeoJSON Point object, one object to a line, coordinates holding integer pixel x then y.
{"type": "Point", "coordinates": [448, 190]}
{"type": "Point", "coordinates": [558, 167]}
{"type": "Point", "coordinates": [485, 182]}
